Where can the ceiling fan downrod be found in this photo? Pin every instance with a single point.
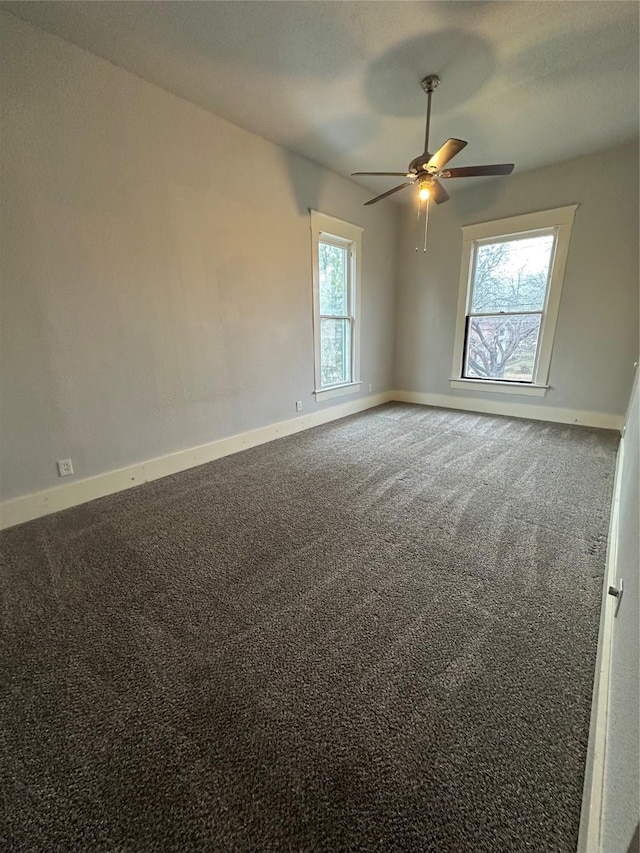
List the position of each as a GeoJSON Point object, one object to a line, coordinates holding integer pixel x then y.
{"type": "Point", "coordinates": [429, 84]}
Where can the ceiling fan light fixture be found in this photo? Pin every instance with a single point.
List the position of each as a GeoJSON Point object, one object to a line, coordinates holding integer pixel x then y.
{"type": "Point", "coordinates": [425, 191]}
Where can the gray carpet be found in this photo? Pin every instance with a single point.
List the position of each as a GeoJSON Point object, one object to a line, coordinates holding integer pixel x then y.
{"type": "Point", "coordinates": [377, 635]}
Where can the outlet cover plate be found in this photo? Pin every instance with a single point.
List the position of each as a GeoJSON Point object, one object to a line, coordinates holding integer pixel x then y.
{"type": "Point", "coordinates": [65, 468]}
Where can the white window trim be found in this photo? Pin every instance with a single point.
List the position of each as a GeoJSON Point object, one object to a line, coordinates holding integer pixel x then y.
{"type": "Point", "coordinates": [561, 220]}
{"type": "Point", "coordinates": [346, 232]}
{"type": "Point", "coordinates": [337, 391]}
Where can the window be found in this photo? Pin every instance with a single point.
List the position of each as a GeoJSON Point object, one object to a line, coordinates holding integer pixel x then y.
{"type": "Point", "coordinates": [508, 291]}
{"type": "Point", "coordinates": [510, 284]}
{"type": "Point", "coordinates": [336, 296]}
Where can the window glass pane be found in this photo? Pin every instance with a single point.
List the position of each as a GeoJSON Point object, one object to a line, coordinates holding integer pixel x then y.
{"type": "Point", "coordinates": [335, 351]}
{"type": "Point", "coordinates": [332, 261]}
{"type": "Point", "coordinates": [502, 347]}
{"type": "Point", "coordinates": [512, 275]}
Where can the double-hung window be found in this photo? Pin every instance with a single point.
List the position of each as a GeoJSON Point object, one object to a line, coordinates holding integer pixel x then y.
{"type": "Point", "coordinates": [336, 297]}
{"type": "Point", "coordinates": [510, 284]}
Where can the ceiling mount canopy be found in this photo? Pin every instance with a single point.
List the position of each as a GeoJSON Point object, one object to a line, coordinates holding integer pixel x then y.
{"type": "Point", "coordinates": [430, 83]}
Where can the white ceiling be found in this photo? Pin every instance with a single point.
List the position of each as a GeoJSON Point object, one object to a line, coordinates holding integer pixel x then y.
{"type": "Point", "coordinates": [526, 82]}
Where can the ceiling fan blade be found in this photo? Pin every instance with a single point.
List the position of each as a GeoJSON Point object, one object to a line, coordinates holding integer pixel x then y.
{"type": "Point", "coordinates": [446, 153]}
{"type": "Point", "coordinates": [473, 171]}
{"type": "Point", "coordinates": [438, 192]}
{"type": "Point", "coordinates": [389, 192]}
{"type": "Point", "coordinates": [396, 174]}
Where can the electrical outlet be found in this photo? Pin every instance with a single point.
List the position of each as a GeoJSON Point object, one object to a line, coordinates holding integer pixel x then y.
{"type": "Point", "coordinates": [298, 405]}
{"type": "Point", "coordinates": [65, 468]}
{"type": "Point", "coordinates": [370, 387]}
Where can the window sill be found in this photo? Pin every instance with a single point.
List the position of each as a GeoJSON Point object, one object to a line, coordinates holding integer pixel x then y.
{"type": "Point", "coordinates": [337, 391]}
{"type": "Point", "coordinates": [524, 389]}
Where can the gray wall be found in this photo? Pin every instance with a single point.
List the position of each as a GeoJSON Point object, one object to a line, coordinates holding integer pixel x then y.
{"type": "Point", "coordinates": [621, 811]}
{"type": "Point", "coordinates": [156, 269]}
{"type": "Point", "coordinates": [597, 333]}
{"type": "Point", "coordinates": [156, 281]}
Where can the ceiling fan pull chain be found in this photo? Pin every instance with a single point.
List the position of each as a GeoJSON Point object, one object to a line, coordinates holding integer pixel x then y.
{"type": "Point", "coordinates": [426, 222]}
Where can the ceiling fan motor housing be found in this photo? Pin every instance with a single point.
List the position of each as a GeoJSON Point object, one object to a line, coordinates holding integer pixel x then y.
{"type": "Point", "coordinates": [421, 164]}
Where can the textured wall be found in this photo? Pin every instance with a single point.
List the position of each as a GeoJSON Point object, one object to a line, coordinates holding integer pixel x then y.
{"type": "Point", "coordinates": [622, 763]}
{"type": "Point", "coordinates": [156, 289]}
{"type": "Point", "coordinates": [597, 333]}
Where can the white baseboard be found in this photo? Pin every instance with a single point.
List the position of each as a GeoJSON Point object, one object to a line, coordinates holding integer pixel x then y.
{"type": "Point", "coordinates": [28, 507]}
{"type": "Point", "coordinates": [35, 505]}
{"type": "Point", "coordinates": [514, 410]}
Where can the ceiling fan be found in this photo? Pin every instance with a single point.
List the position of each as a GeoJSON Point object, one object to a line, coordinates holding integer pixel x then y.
{"type": "Point", "coordinates": [427, 169]}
